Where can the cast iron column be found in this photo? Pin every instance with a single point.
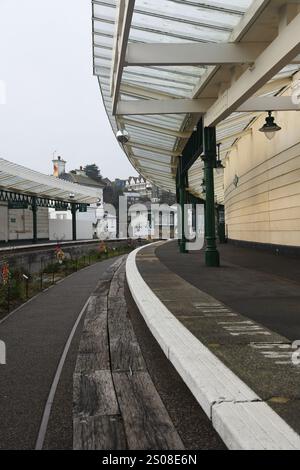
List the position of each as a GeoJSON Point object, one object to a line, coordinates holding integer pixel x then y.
{"type": "Point", "coordinates": [74, 231]}
{"type": "Point", "coordinates": [182, 202]}
{"type": "Point", "coordinates": [34, 219]}
{"type": "Point", "coordinates": [212, 257]}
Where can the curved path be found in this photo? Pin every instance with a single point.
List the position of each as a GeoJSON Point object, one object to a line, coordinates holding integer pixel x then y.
{"type": "Point", "coordinates": [35, 338]}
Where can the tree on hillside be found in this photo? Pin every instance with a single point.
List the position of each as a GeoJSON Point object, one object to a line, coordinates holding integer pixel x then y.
{"type": "Point", "coordinates": [93, 171]}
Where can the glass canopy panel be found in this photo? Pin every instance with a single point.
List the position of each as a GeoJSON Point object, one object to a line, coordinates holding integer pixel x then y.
{"type": "Point", "coordinates": [188, 21]}
{"type": "Point", "coordinates": [164, 21]}
{"type": "Point", "coordinates": [166, 121]}
{"type": "Point", "coordinates": [174, 21]}
{"type": "Point", "coordinates": [17, 178]}
{"type": "Point", "coordinates": [150, 137]}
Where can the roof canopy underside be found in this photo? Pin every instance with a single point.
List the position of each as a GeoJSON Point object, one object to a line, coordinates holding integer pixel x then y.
{"type": "Point", "coordinates": [19, 179]}
{"type": "Point", "coordinates": [154, 83]}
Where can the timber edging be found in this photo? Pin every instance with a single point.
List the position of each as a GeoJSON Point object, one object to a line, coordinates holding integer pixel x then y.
{"type": "Point", "coordinates": [115, 403]}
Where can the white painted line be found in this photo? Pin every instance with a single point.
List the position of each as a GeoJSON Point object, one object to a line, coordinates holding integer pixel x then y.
{"type": "Point", "coordinates": [233, 408]}
{"type": "Point", "coordinates": [50, 400]}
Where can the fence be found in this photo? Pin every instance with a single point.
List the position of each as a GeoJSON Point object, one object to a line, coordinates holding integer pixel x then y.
{"type": "Point", "coordinates": [21, 282]}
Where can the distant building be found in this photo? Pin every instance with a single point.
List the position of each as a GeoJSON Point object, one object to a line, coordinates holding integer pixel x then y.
{"type": "Point", "coordinates": [147, 220]}
{"type": "Point", "coordinates": [132, 198]}
{"type": "Point", "coordinates": [88, 222]}
{"type": "Point", "coordinates": [147, 190]}
{"type": "Point", "coordinates": [106, 181]}
{"type": "Point", "coordinates": [138, 184]}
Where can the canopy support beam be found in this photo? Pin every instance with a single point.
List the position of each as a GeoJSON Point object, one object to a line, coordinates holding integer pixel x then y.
{"type": "Point", "coordinates": [200, 106]}
{"type": "Point", "coordinates": [178, 106]}
{"type": "Point", "coordinates": [281, 52]}
{"type": "Point", "coordinates": [192, 54]}
{"type": "Point", "coordinates": [126, 8]}
{"type": "Point", "coordinates": [269, 103]}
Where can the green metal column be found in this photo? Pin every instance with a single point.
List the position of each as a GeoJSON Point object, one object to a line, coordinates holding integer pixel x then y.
{"type": "Point", "coordinates": [182, 202]}
{"type": "Point", "coordinates": [212, 257]}
{"type": "Point", "coordinates": [34, 219]}
{"type": "Point", "coordinates": [74, 228]}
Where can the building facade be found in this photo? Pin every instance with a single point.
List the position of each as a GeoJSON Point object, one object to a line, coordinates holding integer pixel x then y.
{"type": "Point", "coordinates": [95, 223]}
{"type": "Point", "coordinates": [139, 185]}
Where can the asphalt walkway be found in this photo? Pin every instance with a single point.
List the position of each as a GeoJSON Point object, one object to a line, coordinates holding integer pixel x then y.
{"type": "Point", "coordinates": [35, 338]}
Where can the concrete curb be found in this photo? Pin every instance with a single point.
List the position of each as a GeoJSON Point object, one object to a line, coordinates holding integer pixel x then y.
{"type": "Point", "coordinates": [240, 417]}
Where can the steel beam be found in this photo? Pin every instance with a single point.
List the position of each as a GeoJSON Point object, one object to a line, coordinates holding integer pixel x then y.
{"type": "Point", "coordinates": [199, 106]}
{"type": "Point", "coordinates": [192, 54]}
{"type": "Point", "coordinates": [148, 107]}
{"type": "Point", "coordinates": [126, 8]}
{"type": "Point", "coordinates": [284, 48]}
{"type": "Point", "coordinates": [269, 103]}
{"type": "Point", "coordinates": [237, 35]}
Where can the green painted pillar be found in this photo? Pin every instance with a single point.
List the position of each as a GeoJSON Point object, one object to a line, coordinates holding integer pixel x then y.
{"type": "Point", "coordinates": [212, 257]}
{"type": "Point", "coordinates": [74, 228]}
{"type": "Point", "coordinates": [182, 202]}
{"type": "Point", "coordinates": [178, 202]}
{"type": "Point", "coordinates": [34, 219]}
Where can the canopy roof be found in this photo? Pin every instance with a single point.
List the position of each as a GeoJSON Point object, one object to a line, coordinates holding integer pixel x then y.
{"type": "Point", "coordinates": [162, 64]}
{"type": "Point", "coordinates": [17, 178]}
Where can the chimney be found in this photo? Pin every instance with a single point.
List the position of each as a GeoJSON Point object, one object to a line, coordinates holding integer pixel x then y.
{"type": "Point", "coordinates": [59, 167]}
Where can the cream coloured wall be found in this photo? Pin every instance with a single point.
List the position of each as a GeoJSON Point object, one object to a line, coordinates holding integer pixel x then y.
{"type": "Point", "coordinates": [196, 175]}
{"type": "Point", "coordinates": [265, 205]}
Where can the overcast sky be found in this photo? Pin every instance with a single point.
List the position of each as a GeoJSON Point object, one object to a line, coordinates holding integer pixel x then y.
{"type": "Point", "coordinates": [53, 100]}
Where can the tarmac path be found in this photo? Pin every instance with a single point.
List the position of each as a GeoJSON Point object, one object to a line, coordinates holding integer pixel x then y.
{"type": "Point", "coordinates": [35, 338]}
